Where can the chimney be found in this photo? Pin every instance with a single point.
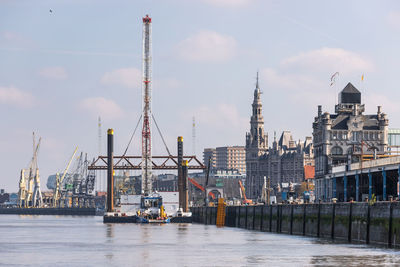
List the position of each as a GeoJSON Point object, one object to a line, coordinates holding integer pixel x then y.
{"type": "Point", "coordinates": [319, 110]}
{"type": "Point", "coordinates": [379, 109]}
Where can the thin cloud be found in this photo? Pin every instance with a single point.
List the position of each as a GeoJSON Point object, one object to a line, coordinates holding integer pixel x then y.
{"type": "Point", "coordinates": [208, 46]}
{"type": "Point", "coordinates": [229, 3]}
{"type": "Point", "coordinates": [329, 59]}
{"type": "Point", "coordinates": [15, 97]}
{"type": "Point", "coordinates": [303, 80]}
{"type": "Point", "coordinates": [289, 81]}
{"type": "Point", "coordinates": [56, 73]}
{"type": "Point", "coordinates": [389, 105]}
{"type": "Point", "coordinates": [310, 71]}
{"type": "Point", "coordinates": [393, 19]}
{"type": "Point", "coordinates": [69, 52]}
{"type": "Point", "coordinates": [12, 37]}
{"type": "Point", "coordinates": [168, 83]}
{"type": "Point", "coordinates": [309, 28]}
{"type": "Point", "coordinates": [126, 77]}
{"type": "Point", "coordinates": [100, 106]}
{"type": "Point", "coordinates": [222, 116]}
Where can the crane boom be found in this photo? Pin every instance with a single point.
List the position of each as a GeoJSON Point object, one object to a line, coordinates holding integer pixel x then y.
{"type": "Point", "coordinates": [206, 182]}
{"type": "Point", "coordinates": [196, 184]}
{"type": "Point", "coordinates": [245, 200]}
{"type": "Point", "coordinates": [69, 164]}
{"type": "Point", "coordinates": [57, 189]}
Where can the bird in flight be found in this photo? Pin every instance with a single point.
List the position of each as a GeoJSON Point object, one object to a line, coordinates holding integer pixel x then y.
{"type": "Point", "coordinates": [51, 11]}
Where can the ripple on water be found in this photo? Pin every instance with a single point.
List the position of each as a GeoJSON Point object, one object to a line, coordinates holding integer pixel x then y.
{"type": "Point", "coordinates": [86, 241]}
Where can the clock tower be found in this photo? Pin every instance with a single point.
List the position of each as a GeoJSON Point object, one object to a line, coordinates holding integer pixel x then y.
{"type": "Point", "coordinates": [256, 146]}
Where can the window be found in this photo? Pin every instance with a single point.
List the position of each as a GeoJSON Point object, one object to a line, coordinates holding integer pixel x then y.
{"type": "Point", "coordinates": [334, 135]}
{"type": "Point", "coordinates": [344, 136]}
{"type": "Point", "coordinates": [337, 150]}
{"type": "Point", "coordinates": [356, 136]}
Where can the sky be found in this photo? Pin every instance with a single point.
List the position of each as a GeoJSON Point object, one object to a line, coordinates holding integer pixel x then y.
{"type": "Point", "coordinates": [61, 70]}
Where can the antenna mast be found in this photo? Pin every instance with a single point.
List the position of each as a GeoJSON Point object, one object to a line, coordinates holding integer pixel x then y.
{"type": "Point", "coordinates": [99, 185]}
{"type": "Point", "coordinates": [146, 92]}
{"type": "Point", "coordinates": [194, 136]}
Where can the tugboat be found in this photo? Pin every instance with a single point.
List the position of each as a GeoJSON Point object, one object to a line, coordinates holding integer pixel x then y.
{"type": "Point", "coordinates": [152, 210]}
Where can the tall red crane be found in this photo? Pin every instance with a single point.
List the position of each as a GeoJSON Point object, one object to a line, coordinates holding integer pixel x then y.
{"type": "Point", "coordinates": [146, 92]}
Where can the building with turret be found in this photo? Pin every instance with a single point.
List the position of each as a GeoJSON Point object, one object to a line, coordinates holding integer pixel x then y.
{"type": "Point", "coordinates": [283, 163]}
{"type": "Point", "coordinates": [346, 137]}
{"type": "Point", "coordinates": [256, 147]}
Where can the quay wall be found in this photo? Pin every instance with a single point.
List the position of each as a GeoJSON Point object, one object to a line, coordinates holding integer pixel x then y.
{"type": "Point", "coordinates": [377, 223]}
{"type": "Point", "coordinates": [50, 211]}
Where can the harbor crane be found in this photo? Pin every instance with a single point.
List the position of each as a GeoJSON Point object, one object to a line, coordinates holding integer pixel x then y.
{"type": "Point", "coordinates": [29, 193]}
{"type": "Point", "coordinates": [59, 182]}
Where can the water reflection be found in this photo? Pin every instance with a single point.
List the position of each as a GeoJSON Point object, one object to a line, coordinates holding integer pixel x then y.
{"type": "Point", "coordinates": [145, 239]}
{"type": "Point", "coordinates": [110, 232]}
{"type": "Point", "coordinates": [109, 239]}
{"type": "Point", "coordinates": [89, 242]}
{"type": "Point", "coordinates": [354, 260]}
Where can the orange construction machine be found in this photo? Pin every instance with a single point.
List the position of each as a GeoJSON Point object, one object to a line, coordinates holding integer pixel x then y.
{"type": "Point", "coordinates": [196, 184]}
{"type": "Point", "coordinates": [243, 195]}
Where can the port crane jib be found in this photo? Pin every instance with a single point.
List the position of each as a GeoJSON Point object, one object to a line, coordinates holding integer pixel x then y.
{"type": "Point", "coordinates": [59, 182]}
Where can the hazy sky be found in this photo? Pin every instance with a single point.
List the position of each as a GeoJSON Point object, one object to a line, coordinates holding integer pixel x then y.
{"type": "Point", "coordinates": [60, 70]}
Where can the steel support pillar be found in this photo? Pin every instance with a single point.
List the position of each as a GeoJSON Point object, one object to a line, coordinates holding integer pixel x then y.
{"type": "Point", "coordinates": [345, 188]}
{"type": "Point", "coordinates": [384, 183]}
{"type": "Point", "coordinates": [185, 197]}
{"type": "Point", "coordinates": [110, 170]}
{"type": "Point", "coordinates": [369, 184]}
{"type": "Point", "coordinates": [180, 178]}
{"type": "Point", "coordinates": [357, 187]}
{"type": "Point", "coordinates": [398, 183]}
{"type": "Point", "coordinates": [334, 187]}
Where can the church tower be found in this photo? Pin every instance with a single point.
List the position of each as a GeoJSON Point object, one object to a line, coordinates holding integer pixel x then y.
{"type": "Point", "coordinates": [256, 146]}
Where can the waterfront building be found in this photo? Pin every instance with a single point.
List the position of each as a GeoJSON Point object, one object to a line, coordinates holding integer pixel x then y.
{"type": "Point", "coordinates": [210, 153]}
{"type": "Point", "coordinates": [227, 158]}
{"type": "Point", "coordinates": [345, 137]}
{"type": "Point", "coordinates": [394, 141]}
{"type": "Point", "coordinates": [282, 163]}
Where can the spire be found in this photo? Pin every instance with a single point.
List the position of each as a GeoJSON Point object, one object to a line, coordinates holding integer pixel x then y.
{"type": "Point", "coordinates": [257, 82]}
{"type": "Point", "coordinates": [257, 91]}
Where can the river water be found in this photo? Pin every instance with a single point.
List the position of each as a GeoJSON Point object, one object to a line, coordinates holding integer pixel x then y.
{"type": "Point", "coordinates": [86, 241]}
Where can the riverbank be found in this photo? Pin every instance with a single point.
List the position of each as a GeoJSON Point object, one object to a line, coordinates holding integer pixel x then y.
{"type": "Point", "coordinates": [50, 211]}
{"type": "Point", "coordinates": [377, 224]}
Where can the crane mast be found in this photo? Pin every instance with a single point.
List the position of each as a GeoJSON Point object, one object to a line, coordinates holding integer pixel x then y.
{"type": "Point", "coordinates": [146, 92]}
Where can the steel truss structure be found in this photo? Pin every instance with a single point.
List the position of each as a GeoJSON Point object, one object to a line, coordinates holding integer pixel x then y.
{"type": "Point", "coordinates": [135, 163]}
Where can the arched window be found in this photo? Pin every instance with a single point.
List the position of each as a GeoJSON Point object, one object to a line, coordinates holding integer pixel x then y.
{"type": "Point", "coordinates": [337, 150]}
